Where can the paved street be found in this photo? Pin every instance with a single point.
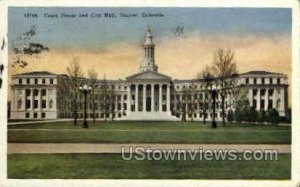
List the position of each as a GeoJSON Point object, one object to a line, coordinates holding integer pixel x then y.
{"type": "Point", "coordinates": [116, 148]}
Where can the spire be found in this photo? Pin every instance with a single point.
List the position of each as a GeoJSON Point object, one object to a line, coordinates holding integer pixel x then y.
{"type": "Point", "coordinates": [148, 38]}
{"type": "Point", "coordinates": [148, 63]}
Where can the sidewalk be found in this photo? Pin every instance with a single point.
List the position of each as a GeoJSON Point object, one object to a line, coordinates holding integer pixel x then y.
{"type": "Point", "coordinates": [116, 148]}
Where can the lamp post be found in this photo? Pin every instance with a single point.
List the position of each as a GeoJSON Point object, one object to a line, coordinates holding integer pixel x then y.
{"type": "Point", "coordinates": [214, 94]}
{"type": "Point", "coordinates": [85, 89]}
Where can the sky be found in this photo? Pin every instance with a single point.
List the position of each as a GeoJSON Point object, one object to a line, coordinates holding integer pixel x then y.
{"type": "Point", "coordinates": [260, 38]}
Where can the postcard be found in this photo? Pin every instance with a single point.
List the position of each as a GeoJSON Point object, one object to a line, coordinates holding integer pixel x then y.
{"type": "Point", "coordinates": [150, 94]}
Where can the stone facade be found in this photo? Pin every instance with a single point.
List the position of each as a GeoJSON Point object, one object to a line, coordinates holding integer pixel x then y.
{"type": "Point", "coordinates": [146, 95]}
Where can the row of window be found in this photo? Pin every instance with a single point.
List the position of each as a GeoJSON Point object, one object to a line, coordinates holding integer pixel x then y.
{"type": "Point", "coordinates": [35, 115]}
{"type": "Point", "coordinates": [263, 92]}
{"type": "Point", "coordinates": [35, 92]}
{"type": "Point", "coordinates": [35, 81]}
{"type": "Point", "coordinates": [263, 81]}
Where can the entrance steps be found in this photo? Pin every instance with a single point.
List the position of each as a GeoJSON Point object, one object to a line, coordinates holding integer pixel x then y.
{"type": "Point", "coordinates": [149, 116]}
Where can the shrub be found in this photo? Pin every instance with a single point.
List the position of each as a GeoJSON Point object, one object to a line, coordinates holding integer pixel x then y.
{"type": "Point", "coordinates": [273, 116]}
{"type": "Point", "coordinates": [262, 116]}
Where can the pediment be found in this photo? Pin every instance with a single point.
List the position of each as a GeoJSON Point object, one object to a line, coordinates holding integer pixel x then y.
{"type": "Point", "coordinates": [148, 75]}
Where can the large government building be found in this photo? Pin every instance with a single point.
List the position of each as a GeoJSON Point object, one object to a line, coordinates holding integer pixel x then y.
{"type": "Point", "coordinates": [146, 95]}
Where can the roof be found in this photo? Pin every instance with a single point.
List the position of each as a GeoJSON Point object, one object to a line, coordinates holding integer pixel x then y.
{"type": "Point", "coordinates": [148, 75]}
{"type": "Point", "coordinates": [36, 73]}
{"type": "Point", "coordinates": [261, 73]}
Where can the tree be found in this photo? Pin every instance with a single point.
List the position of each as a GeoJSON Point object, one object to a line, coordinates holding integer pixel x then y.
{"type": "Point", "coordinates": [112, 99]}
{"type": "Point", "coordinates": [224, 69]}
{"type": "Point", "coordinates": [273, 116]}
{"type": "Point", "coordinates": [242, 106]}
{"type": "Point", "coordinates": [75, 74]}
{"type": "Point", "coordinates": [25, 47]}
{"type": "Point", "coordinates": [182, 100]}
{"type": "Point", "coordinates": [230, 116]}
{"type": "Point", "coordinates": [93, 83]}
{"type": "Point", "coordinates": [206, 78]}
{"type": "Point", "coordinates": [64, 95]}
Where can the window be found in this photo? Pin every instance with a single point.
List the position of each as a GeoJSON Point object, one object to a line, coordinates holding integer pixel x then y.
{"type": "Point", "coordinates": [43, 92]}
{"type": "Point", "coordinates": [262, 104]}
{"type": "Point", "coordinates": [262, 80]}
{"type": "Point", "coordinates": [271, 81]}
{"type": "Point", "coordinates": [254, 81]}
{"type": "Point", "coordinates": [125, 97]}
{"type": "Point", "coordinates": [255, 92]}
{"type": "Point", "coordinates": [27, 115]}
{"type": "Point", "coordinates": [270, 104]}
{"type": "Point", "coordinates": [28, 81]}
{"type": "Point", "coordinates": [28, 103]}
{"type": "Point", "coordinates": [262, 92]}
{"type": "Point", "coordinates": [43, 81]}
{"type": "Point", "coordinates": [36, 104]}
{"type": "Point", "coordinates": [247, 81]}
{"type": "Point", "coordinates": [278, 80]}
{"type": "Point", "coordinates": [36, 92]}
{"type": "Point", "coordinates": [27, 92]}
{"type": "Point", "coordinates": [20, 81]}
{"type": "Point", "coordinates": [35, 81]}
{"type": "Point", "coordinates": [44, 103]}
{"type": "Point", "coordinates": [164, 97]}
{"type": "Point", "coordinates": [35, 115]}
{"type": "Point", "coordinates": [43, 115]}
{"type": "Point", "coordinates": [51, 81]}
{"type": "Point", "coordinates": [271, 91]}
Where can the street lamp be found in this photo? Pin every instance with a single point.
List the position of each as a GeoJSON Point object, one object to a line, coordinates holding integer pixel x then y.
{"type": "Point", "coordinates": [214, 94]}
{"type": "Point", "coordinates": [85, 89]}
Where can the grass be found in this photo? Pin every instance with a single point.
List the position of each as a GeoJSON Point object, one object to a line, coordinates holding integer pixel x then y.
{"type": "Point", "coordinates": [149, 132]}
{"type": "Point", "coordinates": [112, 166]}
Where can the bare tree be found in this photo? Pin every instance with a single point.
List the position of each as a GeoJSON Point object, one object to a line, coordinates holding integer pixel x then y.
{"type": "Point", "coordinates": [224, 69]}
{"type": "Point", "coordinates": [75, 74]}
{"type": "Point", "coordinates": [93, 83]}
{"type": "Point", "coordinates": [104, 99]}
{"type": "Point", "coordinates": [64, 95]}
{"type": "Point", "coordinates": [206, 79]}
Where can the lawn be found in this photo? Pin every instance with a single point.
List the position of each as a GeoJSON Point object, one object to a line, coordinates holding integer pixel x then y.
{"type": "Point", "coordinates": [112, 166]}
{"type": "Point", "coordinates": [149, 132]}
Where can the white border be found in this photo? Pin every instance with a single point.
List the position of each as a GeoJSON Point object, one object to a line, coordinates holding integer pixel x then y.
{"type": "Point", "coordinates": [294, 4]}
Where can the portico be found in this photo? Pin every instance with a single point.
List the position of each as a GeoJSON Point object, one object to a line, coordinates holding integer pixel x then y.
{"type": "Point", "coordinates": [149, 94]}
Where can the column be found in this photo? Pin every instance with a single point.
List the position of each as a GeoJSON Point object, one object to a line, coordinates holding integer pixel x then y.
{"type": "Point", "coordinates": [168, 97]}
{"type": "Point", "coordinates": [129, 97]}
{"type": "Point", "coordinates": [136, 97]}
{"type": "Point", "coordinates": [275, 98]}
{"type": "Point", "coordinates": [40, 99]}
{"type": "Point", "coordinates": [250, 97]}
{"type": "Point", "coordinates": [282, 100]}
{"type": "Point", "coordinates": [266, 99]}
{"type": "Point", "coordinates": [258, 100]}
{"type": "Point", "coordinates": [32, 99]}
{"type": "Point", "coordinates": [122, 103]}
{"type": "Point", "coordinates": [160, 98]}
{"type": "Point", "coordinates": [152, 97]}
{"type": "Point", "coordinates": [144, 97]}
